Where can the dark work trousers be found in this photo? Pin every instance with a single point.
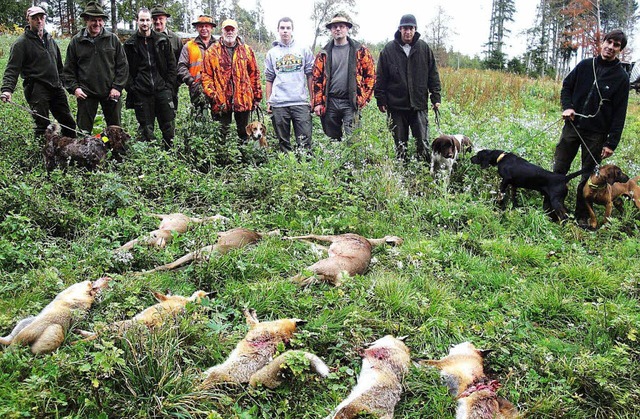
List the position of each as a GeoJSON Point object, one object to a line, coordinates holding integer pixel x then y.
{"type": "Point", "coordinates": [42, 99]}
{"type": "Point", "coordinates": [400, 122]}
{"type": "Point", "coordinates": [87, 109]}
{"type": "Point", "coordinates": [339, 114]}
{"type": "Point", "coordinates": [242, 120]}
{"type": "Point", "coordinates": [158, 106]}
{"type": "Point", "coordinates": [566, 151]}
{"type": "Point", "coordinates": [282, 119]}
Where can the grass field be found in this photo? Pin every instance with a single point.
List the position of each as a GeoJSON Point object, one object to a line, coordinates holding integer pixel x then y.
{"type": "Point", "coordinates": [557, 304]}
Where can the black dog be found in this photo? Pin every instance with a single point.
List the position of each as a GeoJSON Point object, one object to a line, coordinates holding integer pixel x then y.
{"type": "Point", "coordinates": [85, 152]}
{"type": "Point", "coordinates": [519, 173]}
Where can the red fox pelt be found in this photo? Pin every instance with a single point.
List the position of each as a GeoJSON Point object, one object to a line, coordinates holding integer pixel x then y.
{"type": "Point", "coordinates": [252, 360]}
{"type": "Point", "coordinates": [45, 332]}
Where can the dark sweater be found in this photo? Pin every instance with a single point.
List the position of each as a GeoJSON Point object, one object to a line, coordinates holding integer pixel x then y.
{"type": "Point", "coordinates": [580, 93]}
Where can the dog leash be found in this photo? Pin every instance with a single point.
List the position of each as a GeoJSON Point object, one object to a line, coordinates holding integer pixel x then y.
{"type": "Point", "coordinates": [596, 169]}
{"type": "Point", "coordinates": [436, 112]}
{"type": "Point", "coordinates": [259, 114]}
{"type": "Point", "coordinates": [32, 112]}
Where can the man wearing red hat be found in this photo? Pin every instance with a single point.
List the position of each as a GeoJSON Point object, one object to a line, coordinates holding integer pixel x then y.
{"type": "Point", "coordinates": [36, 57]}
{"type": "Point", "coordinates": [190, 61]}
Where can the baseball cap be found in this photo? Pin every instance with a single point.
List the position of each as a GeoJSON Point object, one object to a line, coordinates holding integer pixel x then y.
{"type": "Point", "coordinates": [35, 10]}
{"type": "Point", "coordinates": [229, 22]}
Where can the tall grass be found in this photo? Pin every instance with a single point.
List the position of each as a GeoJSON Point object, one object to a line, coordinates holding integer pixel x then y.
{"type": "Point", "coordinates": [559, 305]}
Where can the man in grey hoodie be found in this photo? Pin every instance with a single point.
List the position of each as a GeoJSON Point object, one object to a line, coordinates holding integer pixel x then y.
{"type": "Point", "coordinates": [288, 71]}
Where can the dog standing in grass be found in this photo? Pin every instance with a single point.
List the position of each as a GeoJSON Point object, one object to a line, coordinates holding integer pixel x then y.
{"type": "Point", "coordinates": [384, 365]}
{"type": "Point", "coordinates": [445, 151]}
{"type": "Point", "coordinates": [45, 332]}
{"type": "Point", "coordinates": [252, 359]}
{"type": "Point", "coordinates": [462, 371]}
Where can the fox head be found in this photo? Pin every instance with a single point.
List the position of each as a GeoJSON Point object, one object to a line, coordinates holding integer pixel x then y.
{"type": "Point", "coordinates": [389, 353]}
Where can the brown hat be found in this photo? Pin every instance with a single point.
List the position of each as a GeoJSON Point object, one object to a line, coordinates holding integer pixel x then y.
{"type": "Point", "coordinates": [204, 19]}
{"type": "Point", "coordinates": [93, 9]}
{"type": "Point", "coordinates": [339, 19]}
{"type": "Point", "coordinates": [158, 10]}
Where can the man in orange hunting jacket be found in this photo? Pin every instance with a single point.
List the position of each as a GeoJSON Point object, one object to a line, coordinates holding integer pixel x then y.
{"type": "Point", "coordinates": [343, 80]}
{"type": "Point", "coordinates": [231, 80]}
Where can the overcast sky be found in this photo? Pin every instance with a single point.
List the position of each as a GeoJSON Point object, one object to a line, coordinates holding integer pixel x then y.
{"type": "Point", "coordinates": [378, 20]}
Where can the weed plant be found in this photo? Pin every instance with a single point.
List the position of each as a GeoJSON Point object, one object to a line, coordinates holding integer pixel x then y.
{"type": "Point", "coordinates": [558, 304]}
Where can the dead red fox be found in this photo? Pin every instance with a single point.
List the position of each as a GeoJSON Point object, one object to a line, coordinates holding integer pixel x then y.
{"type": "Point", "coordinates": [252, 359]}
{"type": "Point", "coordinates": [379, 387]}
{"type": "Point", "coordinates": [463, 372]}
{"type": "Point", "coordinates": [176, 222]}
{"type": "Point", "coordinates": [46, 331]}
{"type": "Point", "coordinates": [168, 307]}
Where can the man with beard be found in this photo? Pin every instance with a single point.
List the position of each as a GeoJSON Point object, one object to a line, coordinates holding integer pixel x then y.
{"type": "Point", "coordinates": [95, 70]}
{"type": "Point", "coordinates": [152, 76]}
{"type": "Point", "coordinates": [36, 57]}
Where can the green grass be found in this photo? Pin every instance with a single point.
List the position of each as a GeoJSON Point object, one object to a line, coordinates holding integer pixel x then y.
{"type": "Point", "coordinates": [559, 305]}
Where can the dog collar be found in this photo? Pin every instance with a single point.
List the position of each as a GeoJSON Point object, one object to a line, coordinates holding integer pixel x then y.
{"type": "Point", "coordinates": [492, 386]}
{"type": "Point", "coordinates": [594, 186]}
{"type": "Point", "coordinates": [500, 157]}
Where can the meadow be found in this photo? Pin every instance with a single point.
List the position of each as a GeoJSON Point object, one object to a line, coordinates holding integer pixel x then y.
{"type": "Point", "coordinates": [557, 304]}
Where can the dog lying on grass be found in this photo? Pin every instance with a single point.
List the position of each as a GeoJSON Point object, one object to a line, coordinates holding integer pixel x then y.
{"type": "Point", "coordinates": [168, 307]}
{"type": "Point", "coordinates": [170, 223]}
{"type": "Point", "coordinates": [87, 152]}
{"type": "Point", "coordinates": [252, 360]}
{"type": "Point", "coordinates": [519, 173]}
{"type": "Point", "coordinates": [599, 190]}
{"type": "Point", "coordinates": [349, 255]}
{"type": "Point", "coordinates": [45, 332]}
{"type": "Point", "coordinates": [463, 372]}
{"type": "Point", "coordinates": [235, 238]}
{"type": "Point", "coordinates": [379, 387]}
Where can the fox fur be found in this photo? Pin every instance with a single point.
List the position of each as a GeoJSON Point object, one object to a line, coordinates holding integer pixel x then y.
{"type": "Point", "coordinates": [170, 223]}
{"type": "Point", "coordinates": [45, 332]}
{"type": "Point", "coordinates": [235, 238]}
{"type": "Point", "coordinates": [379, 387]}
{"type": "Point", "coordinates": [168, 307]}
{"type": "Point", "coordinates": [462, 370]}
{"type": "Point", "coordinates": [252, 359]}
{"type": "Point", "coordinates": [349, 255]}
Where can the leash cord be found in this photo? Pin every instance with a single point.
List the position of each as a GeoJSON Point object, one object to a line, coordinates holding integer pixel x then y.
{"type": "Point", "coordinates": [34, 113]}
{"type": "Point", "coordinates": [436, 112]}
{"type": "Point", "coordinates": [597, 167]}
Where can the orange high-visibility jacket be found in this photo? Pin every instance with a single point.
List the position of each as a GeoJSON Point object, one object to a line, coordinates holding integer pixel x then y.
{"type": "Point", "coordinates": [233, 85]}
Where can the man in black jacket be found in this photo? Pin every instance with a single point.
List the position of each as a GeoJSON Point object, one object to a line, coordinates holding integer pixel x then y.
{"type": "Point", "coordinates": [95, 70]}
{"type": "Point", "coordinates": [594, 100]}
{"type": "Point", "coordinates": [36, 57]}
{"type": "Point", "coordinates": [407, 73]}
{"type": "Point", "coordinates": [152, 76]}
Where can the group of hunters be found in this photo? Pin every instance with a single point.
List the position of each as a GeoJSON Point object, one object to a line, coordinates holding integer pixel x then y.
{"type": "Point", "coordinates": [223, 77]}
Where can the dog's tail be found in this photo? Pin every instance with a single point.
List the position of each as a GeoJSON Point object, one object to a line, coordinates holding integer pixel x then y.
{"type": "Point", "coordinates": [570, 176]}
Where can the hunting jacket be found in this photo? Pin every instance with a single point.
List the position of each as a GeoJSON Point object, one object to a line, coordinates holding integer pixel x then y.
{"type": "Point", "coordinates": [96, 65]}
{"type": "Point", "coordinates": [34, 60]}
{"type": "Point", "coordinates": [232, 85]}
{"type": "Point", "coordinates": [165, 62]}
{"type": "Point", "coordinates": [580, 93]}
{"type": "Point", "coordinates": [404, 82]}
{"type": "Point", "coordinates": [361, 70]}
{"type": "Point", "coordinates": [190, 61]}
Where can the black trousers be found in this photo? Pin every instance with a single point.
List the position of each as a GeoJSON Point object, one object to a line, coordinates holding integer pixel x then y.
{"type": "Point", "coordinates": [44, 99]}
{"type": "Point", "coordinates": [242, 120]}
{"type": "Point", "coordinates": [400, 122]}
{"type": "Point", "coordinates": [88, 108]}
{"type": "Point", "coordinates": [158, 106]}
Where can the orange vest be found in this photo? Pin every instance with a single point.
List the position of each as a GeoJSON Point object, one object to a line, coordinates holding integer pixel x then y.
{"type": "Point", "coordinates": [195, 61]}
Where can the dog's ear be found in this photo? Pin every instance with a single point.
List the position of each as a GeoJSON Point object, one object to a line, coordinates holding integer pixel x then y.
{"type": "Point", "coordinates": [249, 128]}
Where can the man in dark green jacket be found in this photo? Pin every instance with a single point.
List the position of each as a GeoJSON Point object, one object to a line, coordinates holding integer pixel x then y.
{"type": "Point", "coordinates": [159, 16]}
{"type": "Point", "coordinates": [36, 57]}
{"type": "Point", "coordinates": [152, 76]}
{"type": "Point", "coordinates": [95, 70]}
{"type": "Point", "coordinates": [407, 73]}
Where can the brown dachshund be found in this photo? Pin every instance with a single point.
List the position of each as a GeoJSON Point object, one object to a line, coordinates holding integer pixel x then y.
{"type": "Point", "coordinates": [597, 190]}
{"type": "Point", "coordinates": [349, 255]}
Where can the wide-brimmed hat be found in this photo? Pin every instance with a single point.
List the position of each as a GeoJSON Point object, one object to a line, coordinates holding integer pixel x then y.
{"type": "Point", "coordinates": [158, 10]}
{"type": "Point", "coordinates": [339, 19]}
{"type": "Point", "coordinates": [408, 20]}
{"type": "Point", "coordinates": [94, 9]}
{"type": "Point", "coordinates": [35, 10]}
{"type": "Point", "coordinates": [204, 19]}
{"type": "Point", "coordinates": [229, 22]}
